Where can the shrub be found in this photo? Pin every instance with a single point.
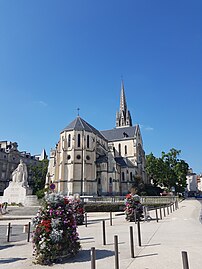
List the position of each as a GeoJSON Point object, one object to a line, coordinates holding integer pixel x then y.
{"type": "Point", "coordinates": [104, 207]}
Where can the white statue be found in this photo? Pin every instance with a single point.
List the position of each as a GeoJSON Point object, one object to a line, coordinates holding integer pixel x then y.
{"type": "Point", "coordinates": [19, 175]}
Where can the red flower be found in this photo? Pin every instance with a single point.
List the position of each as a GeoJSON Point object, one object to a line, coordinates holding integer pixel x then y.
{"type": "Point", "coordinates": [66, 201]}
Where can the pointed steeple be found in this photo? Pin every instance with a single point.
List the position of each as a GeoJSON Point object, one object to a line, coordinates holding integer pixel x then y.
{"type": "Point", "coordinates": [123, 117]}
{"type": "Point", "coordinates": [123, 106]}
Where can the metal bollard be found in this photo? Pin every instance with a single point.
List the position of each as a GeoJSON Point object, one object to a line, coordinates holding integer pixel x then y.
{"type": "Point", "coordinates": [28, 231]}
{"type": "Point", "coordinates": [86, 220]}
{"type": "Point", "coordinates": [157, 218]}
{"type": "Point", "coordinates": [164, 211]}
{"type": "Point", "coordinates": [185, 260]}
{"type": "Point", "coordinates": [103, 232]}
{"type": "Point", "coordinates": [110, 217]}
{"type": "Point", "coordinates": [139, 233]}
{"type": "Point", "coordinates": [9, 231]}
{"type": "Point", "coordinates": [131, 243]}
{"type": "Point", "coordinates": [160, 212]}
{"type": "Point", "coordinates": [116, 252]}
{"type": "Point", "coordinates": [168, 210]}
{"type": "Point", "coordinates": [93, 258]}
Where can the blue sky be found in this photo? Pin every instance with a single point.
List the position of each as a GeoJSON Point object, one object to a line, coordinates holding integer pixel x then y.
{"type": "Point", "coordinates": [56, 56]}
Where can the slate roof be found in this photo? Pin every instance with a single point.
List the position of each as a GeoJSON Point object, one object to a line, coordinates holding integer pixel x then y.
{"type": "Point", "coordinates": [120, 133]}
{"type": "Point", "coordinates": [124, 162]}
{"type": "Point", "coordinates": [102, 159]}
{"type": "Point", "coordinates": [80, 124]}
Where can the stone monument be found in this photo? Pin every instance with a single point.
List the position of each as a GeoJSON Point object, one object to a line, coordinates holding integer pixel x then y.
{"type": "Point", "coordinates": [18, 189]}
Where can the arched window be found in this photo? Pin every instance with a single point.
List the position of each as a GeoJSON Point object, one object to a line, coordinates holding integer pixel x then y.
{"type": "Point", "coordinates": [79, 141]}
{"type": "Point", "coordinates": [88, 142]}
{"type": "Point", "coordinates": [69, 141]}
{"type": "Point", "coordinates": [125, 150]}
{"type": "Point", "coordinates": [123, 176]}
{"type": "Point", "coordinates": [119, 149]}
{"type": "Point", "coordinates": [110, 180]}
{"type": "Point", "coordinates": [131, 176]}
{"type": "Point", "coordinates": [99, 180]}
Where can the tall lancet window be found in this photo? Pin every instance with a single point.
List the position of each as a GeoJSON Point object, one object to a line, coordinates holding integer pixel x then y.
{"type": "Point", "coordinates": [119, 149]}
{"type": "Point", "coordinates": [69, 140]}
{"type": "Point", "coordinates": [78, 140]}
{"type": "Point", "coordinates": [125, 150]}
{"type": "Point", "coordinates": [88, 142]}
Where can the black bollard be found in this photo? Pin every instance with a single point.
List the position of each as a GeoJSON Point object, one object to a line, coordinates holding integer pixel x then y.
{"type": "Point", "coordinates": [168, 210]}
{"type": "Point", "coordinates": [160, 212]}
{"type": "Point", "coordinates": [28, 232]}
{"type": "Point", "coordinates": [110, 216]}
{"type": "Point", "coordinates": [86, 220]}
{"type": "Point", "coordinates": [157, 218]}
{"type": "Point", "coordinates": [164, 211]}
{"type": "Point", "coordinates": [93, 258]}
{"type": "Point", "coordinates": [116, 252]}
{"type": "Point", "coordinates": [103, 232]}
{"type": "Point", "coordinates": [139, 233]}
{"type": "Point", "coordinates": [185, 260]}
{"type": "Point", "coordinates": [131, 243]}
{"type": "Point", "coordinates": [173, 207]}
{"type": "Point", "coordinates": [8, 231]}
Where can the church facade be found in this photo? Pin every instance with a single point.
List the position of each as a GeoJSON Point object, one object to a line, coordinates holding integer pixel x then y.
{"type": "Point", "coordinates": [92, 162]}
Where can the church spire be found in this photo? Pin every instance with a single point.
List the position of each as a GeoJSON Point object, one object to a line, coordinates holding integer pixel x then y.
{"type": "Point", "coordinates": [123, 106]}
{"type": "Point", "coordinates": [123, 117]}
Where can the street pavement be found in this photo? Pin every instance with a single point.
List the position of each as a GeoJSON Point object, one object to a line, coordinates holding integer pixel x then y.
{"type": "Point", "coordinates": [162, 242]}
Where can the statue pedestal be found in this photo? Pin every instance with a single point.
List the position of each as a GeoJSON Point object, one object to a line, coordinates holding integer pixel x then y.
{"type": "Point", "coordinates": [15, 193]}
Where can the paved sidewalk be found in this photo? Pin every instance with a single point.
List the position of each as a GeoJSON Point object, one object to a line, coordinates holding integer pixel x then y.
{"type": "Point", "coordinates": [161, 248]}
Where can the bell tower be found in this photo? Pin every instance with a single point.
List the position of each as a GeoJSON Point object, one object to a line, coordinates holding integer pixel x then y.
{"type": "Point", "coordinates": [123, 117]}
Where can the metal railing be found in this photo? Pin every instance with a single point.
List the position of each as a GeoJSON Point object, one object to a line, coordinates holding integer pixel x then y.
{"type": "Point", "coordinates": [143, 199]}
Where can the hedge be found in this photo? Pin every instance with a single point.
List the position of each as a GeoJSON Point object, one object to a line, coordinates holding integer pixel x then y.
{"type": "Point", "coordinates": [104, 207]}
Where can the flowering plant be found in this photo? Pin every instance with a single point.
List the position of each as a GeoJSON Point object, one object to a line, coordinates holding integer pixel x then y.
{"type": "Point", "coordinates": [79, 211]}
{"type": "Point", "coordinates": [55, 230]}
{"type": "Point", "coordinates": [133, 207]}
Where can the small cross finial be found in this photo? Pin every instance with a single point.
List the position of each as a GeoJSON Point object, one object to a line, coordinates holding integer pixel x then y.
{"type": "Point", "coordinates": [78, 111]}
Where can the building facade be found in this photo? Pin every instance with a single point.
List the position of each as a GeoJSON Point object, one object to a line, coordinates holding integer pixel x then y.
{"type": "Point", "coordinates": [92, 162]}
{"type": "Point", "coordinates": [192, 184]}
{"type": "Point", "coordinates": [10, 157]}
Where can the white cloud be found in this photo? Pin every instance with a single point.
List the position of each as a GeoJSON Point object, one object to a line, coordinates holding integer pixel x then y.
{"type": "Point", "coordinates": [149, 128]}
{"type": "Point", "coordinates": [42, 103]}
{"type": "Point", "coordinates": [146, 128]}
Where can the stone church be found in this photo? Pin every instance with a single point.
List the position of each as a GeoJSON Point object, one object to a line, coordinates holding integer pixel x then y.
{"type": "Point", "coordinates": [92, 162]}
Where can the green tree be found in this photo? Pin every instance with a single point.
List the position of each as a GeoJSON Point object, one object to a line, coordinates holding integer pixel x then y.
{"type": "Point", "coordinates": [168, 170]}
{"type": "Point", "coordinates": [38, 173]}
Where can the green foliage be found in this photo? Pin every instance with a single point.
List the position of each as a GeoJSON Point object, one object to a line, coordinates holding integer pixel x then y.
{"type": "Point", "coordinates": [167, 171]}
{"type": "Point", "coordinates": [39, 176]}
{"type": "Point", "coordinates": [104, 207]}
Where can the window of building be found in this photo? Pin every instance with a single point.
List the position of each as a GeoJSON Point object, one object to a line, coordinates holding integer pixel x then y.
{"type": "Point", "coordinates": [110, 180]}
{"type": "Point", "coordinates": [78, 157]}
{"type": "Point", "coordinates": [131, 176]}
{"type": "Point", "coordinates": [119, 149]}
{"type": "Point", "coordinates": [125, 150]}
{"type": "Point", "coordinates": [69, 141]}
{"type": "Point", "coordinates": [88, 157]}
{"type": "Point", "coordinates": [123, 176]}
{"type": "Point", "coordinates": [79, 141]}
{"type": "Point", "coordinates": [99, 180]}
{"type": "Point", "coordinates": [88, 142]}
{"type": "Point", "coordinates": [68, 157]}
